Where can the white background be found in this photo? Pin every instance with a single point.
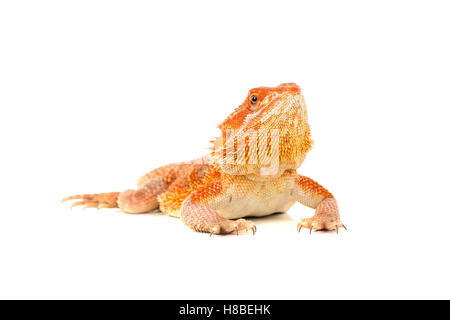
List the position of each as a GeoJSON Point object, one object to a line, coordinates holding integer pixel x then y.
{"type": "Point", "coordinates": [94, 94]}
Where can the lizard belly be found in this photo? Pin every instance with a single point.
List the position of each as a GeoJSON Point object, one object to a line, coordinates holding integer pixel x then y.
{"type": "Point", "coordinates": [261, 203]}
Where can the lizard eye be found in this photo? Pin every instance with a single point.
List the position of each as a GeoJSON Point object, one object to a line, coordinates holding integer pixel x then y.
{"type": "Point", "coordinates": [253, 103]}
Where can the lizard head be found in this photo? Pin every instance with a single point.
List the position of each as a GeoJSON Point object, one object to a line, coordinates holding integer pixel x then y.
{"type": "Point", "coordinates": [266, 135]}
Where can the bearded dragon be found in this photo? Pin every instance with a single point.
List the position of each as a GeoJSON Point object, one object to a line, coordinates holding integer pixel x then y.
{"type": "Point", "coordinates": [251, 171]}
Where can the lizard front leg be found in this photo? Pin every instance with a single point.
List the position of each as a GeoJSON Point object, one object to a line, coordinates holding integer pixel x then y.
{"type": "Point", "coordinates": [202, 218]}
{"type": "Point", "coordinates": [313, 195]}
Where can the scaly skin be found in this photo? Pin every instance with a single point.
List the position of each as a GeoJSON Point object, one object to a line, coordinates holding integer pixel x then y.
{"type": "Point", "coordinates": [252, 171]}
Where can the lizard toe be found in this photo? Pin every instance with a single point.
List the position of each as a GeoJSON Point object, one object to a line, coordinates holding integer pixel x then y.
{"type": "Point", "coordinates": [99, 200]}
{"type": "Point", "coordinates": [322, 224]}
{"type": "Point", "coordinates": [230, 226]}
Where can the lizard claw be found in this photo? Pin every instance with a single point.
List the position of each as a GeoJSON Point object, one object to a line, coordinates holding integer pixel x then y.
{"type": "Point", "coordinates": [340, 226]}
{"type": "Point", "coordinates": [305, 224]}
{"type": "Point", "coordinates": [215, 230]}
{"type": "Point", "coordinates": [252, 228]}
